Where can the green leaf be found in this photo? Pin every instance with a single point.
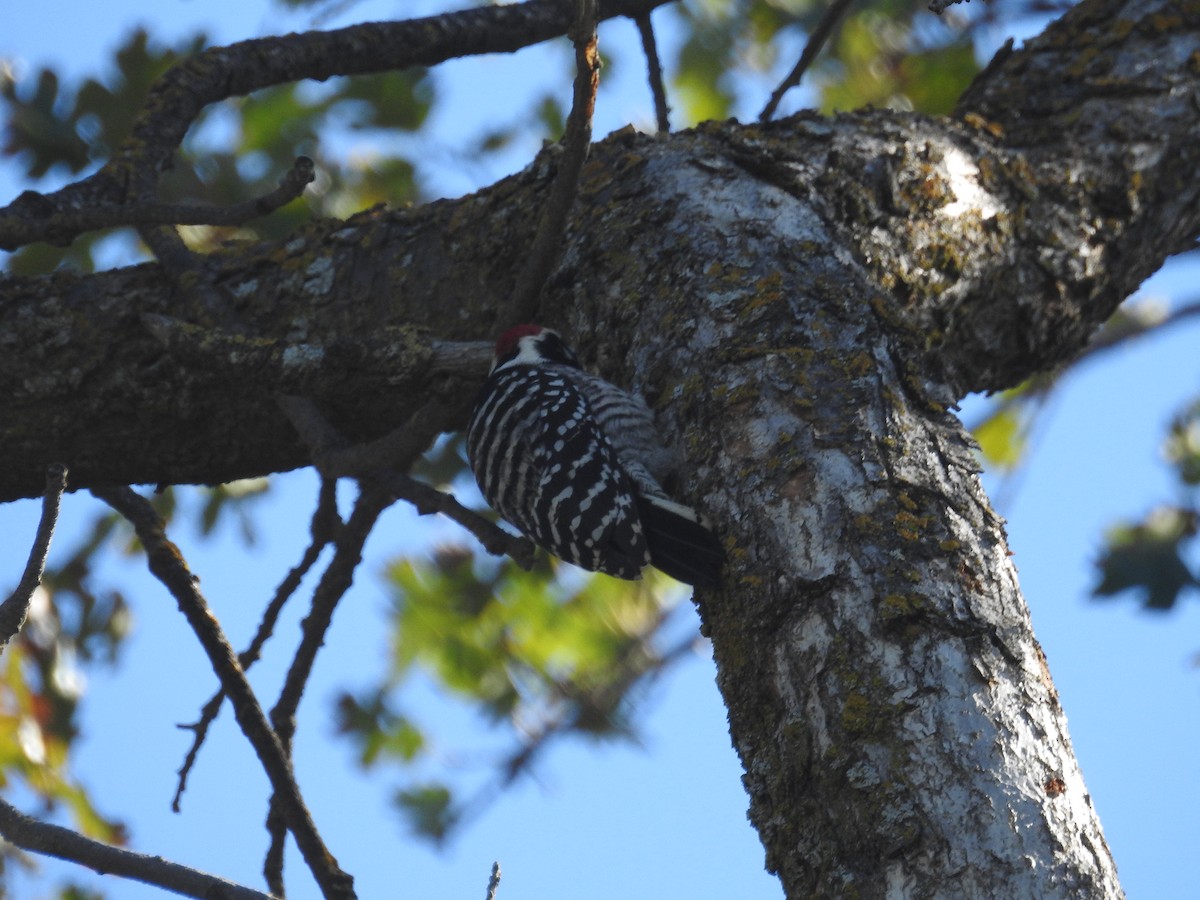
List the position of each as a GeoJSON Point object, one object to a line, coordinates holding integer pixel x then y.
{"type": "Point", "coordinates": [39, 129]}
{"type": "Point", "coordinates": [429, 810]}
{"type": "Point", "coordinates": [1182, 448]}
{"type": "Point", "coordinates": [878, 64]}
{"type": "Point", "coordinates": [1001, 437]}
{"type": "Point", "coordinates": [550, 114]}
{"type": "Point", "coordinates": [933, 80]}
{"type": "Point", "coordinates": [1147, 558]}
{"type": "Point", "coordinates": [699, 80]}
{"type": "Point", "coordinates": [379, 731]}
{"type": "Point", "coordinates": [400, 100]}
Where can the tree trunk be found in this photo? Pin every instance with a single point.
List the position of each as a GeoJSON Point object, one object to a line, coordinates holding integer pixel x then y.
{"type": "Point", "coordinates": [803, 303]}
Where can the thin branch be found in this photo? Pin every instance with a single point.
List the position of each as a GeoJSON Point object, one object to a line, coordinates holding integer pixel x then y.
{"type": "Point", "coordinates": [493, 882]}
{"type": "Point", "coordinates": [218, 73]}
{"type": "Point", "coordinates": [328, 448]}
{"type": "Point", "coordinates": [662, 112]}
{"type": "Point", "coordinates": [399, 449]}
{"type": "Point", "coordinates": [816, 40]}
{"type": "Point", "coordinates": [547, 243]}
{"type": "Point", "coordinates": [428, 499]}
{"type": "Point", "coordinates": [322, 529]}
{"type": "Point", "coordinates": [16, 607]}
{"type": "Point", "coordinates": [1133, 326]}
{"type": "Point", "coordinates": [396, 450]}
{"type": "Point", "coordinates": [168, 565]}
{"type": "Point", "coordinates": [334, 583]}
{"type": "Point", "coordinates": [63, 225]}
{"type": "Point", "coordinates": [62, 843]}
{"type": "Point", "coordinates": [199, 729]}
{"type": "Point", "coordinates": [277, 835]}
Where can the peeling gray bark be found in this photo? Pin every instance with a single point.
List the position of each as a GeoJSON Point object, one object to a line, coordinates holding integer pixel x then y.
{"type": "Point", "coordinates": [900, 732]}
{"type": "Point", "coordinates": [803, 303]}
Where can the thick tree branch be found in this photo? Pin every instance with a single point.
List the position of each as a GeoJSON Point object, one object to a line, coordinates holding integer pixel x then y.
{"type": "Point", "coordinates": [993, 245]}
{"type": "Point", "coordinates": [16, 606]}
{"type": "Point", "coordinates": [219, 73]}
{"type": "Point", "coordinates": [53, 840]}
{"type": "Point", "coordinates": [167, 564]}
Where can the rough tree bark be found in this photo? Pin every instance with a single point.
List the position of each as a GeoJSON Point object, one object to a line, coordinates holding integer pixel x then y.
{"type": "Point", "coordinates": [803, 302]}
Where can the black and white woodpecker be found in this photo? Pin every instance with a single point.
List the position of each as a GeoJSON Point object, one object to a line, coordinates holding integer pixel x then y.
{"type": "Point", "coordinates": [576, 464]}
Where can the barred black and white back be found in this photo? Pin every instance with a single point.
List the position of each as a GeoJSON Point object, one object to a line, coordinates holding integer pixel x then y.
{"type": "Point", "coordinates": [575, 463]}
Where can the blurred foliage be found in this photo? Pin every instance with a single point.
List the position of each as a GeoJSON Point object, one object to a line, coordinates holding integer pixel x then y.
{"type": "Point", "coordinates": [1182, 448]}
{"type": "Point", "coordinates": [1147, 558]}
{"type": "Point", "coordinates": [76, 892]}
{"type": "Point", "coordinates": [886, 54]}
{"type": "Point", "coordinates": [1154, 558]}
{"type": "Point", "coordinates": [878, 61]}
{"type": "Point", "coordinates": [238, 150]}
{"type": "Point", "coordinates": [76, 623]}
{"type": "Point", "coordinates": [1003, 432]}
{"type": "Point", "coordinates": [544, 653]}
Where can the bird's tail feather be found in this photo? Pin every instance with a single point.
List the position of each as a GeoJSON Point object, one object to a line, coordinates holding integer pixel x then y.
{"type": "Point", "coordinates": [680, 545]}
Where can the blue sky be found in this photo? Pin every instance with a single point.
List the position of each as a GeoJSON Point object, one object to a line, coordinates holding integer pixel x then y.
{"type": "Point", "coordinates": [667, 818]}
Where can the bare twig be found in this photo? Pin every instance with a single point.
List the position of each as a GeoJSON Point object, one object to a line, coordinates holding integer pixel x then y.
{"type": "Point", "coordinates": [16, 607]}
{"type": "Point", "coordinates": [167, 564]}
{"type": "Point", "coordinates": [547, 243]}
{"type": "Point", "coordinates": [397, 450]}
{"type": "Point", "coordinates": [62, 843]}
{"type": "Point", "coordinates": [334, 583]}
{"type": "Point", "coordinates": [199, 729]}
{"type": "Point", "coordinates": [62, 226]}
{"type": "Point", "coordinates": [493, 882]}
{"type": "Point", "coordinates": [328, 448]}
{"type": "Point", "coordinates": [816, 40]}
{"type": "Point", "coordinates": [322, 529]}
{"type": "Point", "coordinates": [662, 112]}
{"type": "Point", "coordinates": [428, 499]}
{"type": "Point", "coordinates": [216, 74]}
{"type": "Point", "coordinates": [1133, 326]}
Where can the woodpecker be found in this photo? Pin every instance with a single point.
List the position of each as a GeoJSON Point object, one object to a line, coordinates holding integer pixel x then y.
{"type": "Point", "coordinates": [576, 464]}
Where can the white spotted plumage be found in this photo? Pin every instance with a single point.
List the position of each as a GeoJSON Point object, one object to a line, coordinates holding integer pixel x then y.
{"type": "Point", "coordinates": [575, 463]}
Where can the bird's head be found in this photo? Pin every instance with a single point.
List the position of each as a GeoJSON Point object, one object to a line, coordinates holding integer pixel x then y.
{"type": "Point", "coordinates": [532, 345]}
